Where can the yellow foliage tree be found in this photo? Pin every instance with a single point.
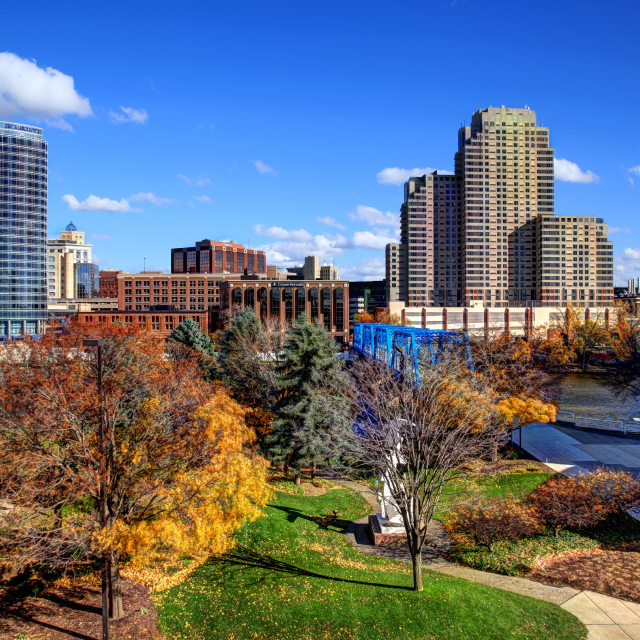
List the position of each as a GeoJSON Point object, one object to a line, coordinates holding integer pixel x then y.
{"type": "Point", "coordinates": [521, 412]}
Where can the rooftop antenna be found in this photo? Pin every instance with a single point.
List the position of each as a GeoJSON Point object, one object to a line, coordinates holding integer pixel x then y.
{"type": "Point", "coordinates": [145, 266]}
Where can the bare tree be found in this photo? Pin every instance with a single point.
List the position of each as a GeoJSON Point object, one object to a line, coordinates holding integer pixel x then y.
{"type": "Point", "coordinates": [420, 438]}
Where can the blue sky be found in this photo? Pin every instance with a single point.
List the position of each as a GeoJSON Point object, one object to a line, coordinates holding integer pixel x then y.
{"type": "Point", "coordinates": [272, 123]}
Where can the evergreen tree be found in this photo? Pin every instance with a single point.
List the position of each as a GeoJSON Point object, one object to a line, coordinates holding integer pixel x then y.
{"type": "Point", "coordinates": [313, 410]}
{"type": "Point", "coordinates": [189, 334]}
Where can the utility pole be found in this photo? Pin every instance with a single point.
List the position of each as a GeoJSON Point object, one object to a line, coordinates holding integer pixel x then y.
{"type": "Point", "coordinates": [106, 578]}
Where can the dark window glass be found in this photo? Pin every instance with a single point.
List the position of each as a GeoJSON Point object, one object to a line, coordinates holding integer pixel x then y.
{"type": "Point", "coordinates": [326, 308]}
{"type": "Point", "coordinates": [239, 262]}
{"type": "Point", "coordinates": [218, 266]}
{"type": "Point", "coordinates": [237, 296]}
{"type": "Point", "coordinates": [288, 304]}
{"type": "Point", "coordinates": [248, 298]}
{"type": "Point", "coordinates": [300, 298]}
{"type": "Point", "coordinates": [229, 262]}
{"type": "Point", "coordinates": [275, 302]}
{"type": "Point", "coordinates": [338, 309]}
{"type": "Point", "coordinates": [313, 303]}
{"type": "Point", "coordinates": [262, 299]}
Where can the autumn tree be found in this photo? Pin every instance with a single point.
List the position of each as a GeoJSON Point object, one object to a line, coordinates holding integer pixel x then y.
{"type": "Point", "coordinates": [581, 333]}
{"type": "Point", "coordinates": [312, 413]}
{"type": "Point", "coordinates": [364, 316]}
{"type": "Point", "coordinates": [512, 369]}
{"type": "Point", "coordinates": [419, 438]}
{"type": "Point", "coordinates": [172, 472]}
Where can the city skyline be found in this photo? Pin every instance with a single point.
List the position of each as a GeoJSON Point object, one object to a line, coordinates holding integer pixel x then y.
{"type": "Point", "coordinates": [305, 154]}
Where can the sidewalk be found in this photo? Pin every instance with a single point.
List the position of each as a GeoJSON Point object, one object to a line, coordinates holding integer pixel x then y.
{"type": "Point", "coordinates": [605, 618]}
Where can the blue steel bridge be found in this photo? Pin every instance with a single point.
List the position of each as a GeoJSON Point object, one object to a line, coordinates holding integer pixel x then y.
{"type": "Point", "coordinates": [402, 348]}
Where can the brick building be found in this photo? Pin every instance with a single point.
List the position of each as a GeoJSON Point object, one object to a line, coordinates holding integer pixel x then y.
{"type": "Point", "coordinates": [109, 283]}
{"type": "Point", "coordinates": [326, 302]}
{"type": "Point", "coordinates": [212, 256]}
{"type": "Point", "coordinates": [160, 321]}
{"type": "Point", "coordinates": [185, 291]}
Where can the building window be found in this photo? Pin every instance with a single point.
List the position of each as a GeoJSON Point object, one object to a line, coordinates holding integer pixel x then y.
{"type": "Point", "coordinates": [300, 299]}
{"type": "Point", "coordinates": [313, 303]}
{"type": "Point", "coordinates": [178, 262]}
{"type": "Point", "coordinates": [229, 262]}
{"type": "Point", "coordinates": [237, 296]}
{"type": "Point", "coordinates": [248, 297]}
{"type": "Point", "coordinates": [326, 308]}
{"type": "Point", "coordinates": [275, 302]}
{"type": "Point", "coordinates": [205, 259]}
{"type": "Point", "coordinates": [262, 299]}
{"type": "Point", "coordinates": [250, 263]}
{"type": "Point", "coordinates": [239, 262]}
{"type": "Point", "coordinates": [288, 304]}
{"type": "Point", "coordinates": [218, 265]}
{"type": "Point", "coordinates": [338, 308]}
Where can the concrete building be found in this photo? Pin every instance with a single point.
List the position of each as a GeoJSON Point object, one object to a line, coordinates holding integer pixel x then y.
{"type": "Point", "coordinates": [23, 230]}
{"type": "Point", "coordinates": [64, 254]}
{"type": "Point", "coordinates": [325, 302]}
{"type": "Point", "coordinates": [313, 270]}
{"type": "Point", "coordinates": [489, 232]}
{"type": "Point", "coordinates": [211, 256]}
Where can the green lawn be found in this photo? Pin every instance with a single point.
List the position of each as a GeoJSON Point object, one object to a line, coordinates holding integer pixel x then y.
{"type": "Point", "coordinates": [290, 578]}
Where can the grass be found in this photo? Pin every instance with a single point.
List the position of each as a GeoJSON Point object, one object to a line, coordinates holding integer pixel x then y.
{"type": "Point", "coordinates": [294, 575]}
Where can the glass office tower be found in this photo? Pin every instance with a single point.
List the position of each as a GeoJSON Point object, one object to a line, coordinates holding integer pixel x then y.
{"type": "Point", "coordinates": [23, 230]}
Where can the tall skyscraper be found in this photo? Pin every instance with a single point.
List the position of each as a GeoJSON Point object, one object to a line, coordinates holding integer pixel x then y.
{"type": "Point", "coordinates": [487, 232]}
{"type": "Point", "coordinates": [23, 229]}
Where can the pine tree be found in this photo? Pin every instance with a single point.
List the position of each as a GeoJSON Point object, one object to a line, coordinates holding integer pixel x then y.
{"type": "Point", "coordinates": [189, 334]}
{"type": "Point", "coordinates": [313, 411]}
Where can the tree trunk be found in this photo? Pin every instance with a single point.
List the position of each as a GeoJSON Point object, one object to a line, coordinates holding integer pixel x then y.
{"type": "Point", "coordinates": [416, 559]}
{"type": "Point", "coordinates": [104, 574]}
{"type": "Point", "coordinates": [285, 470]}
{"type": "Point", "coordinates": [494, 453]}
{"type": "Point", "coordinates": [298, 479]}
{"type": "Point", "coordinates": [116, 608]}
{"type": "Point", "coordinates": [313, 470]}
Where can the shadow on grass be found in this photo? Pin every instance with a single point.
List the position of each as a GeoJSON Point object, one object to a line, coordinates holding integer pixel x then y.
{"type": "Point", "coordinates": [242, 556]}
{"type": "Point", "coordinates": [323, 522]}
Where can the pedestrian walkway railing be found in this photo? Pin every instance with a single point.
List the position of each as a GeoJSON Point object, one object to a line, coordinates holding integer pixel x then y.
{"type": "Point", "coordinates": [599, 424]}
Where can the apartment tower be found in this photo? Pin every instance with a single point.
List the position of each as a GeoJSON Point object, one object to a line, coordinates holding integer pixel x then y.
{"type": "Point", "coordinates": [489, 232]}
{"type": "Point", "coordinates": [23, 229]}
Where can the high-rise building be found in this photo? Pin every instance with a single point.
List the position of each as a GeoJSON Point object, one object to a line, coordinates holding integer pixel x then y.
{"type": "Point", "coordinates": [211, 256]}
{"type": "Point", "coordinates": [311, 268]}
{"type": "Point", "coordinates": [64, 254]}
{"type": "Point", "coordinates": [488, 232]}
{"type": "Point", "coordinates": [23, 229]}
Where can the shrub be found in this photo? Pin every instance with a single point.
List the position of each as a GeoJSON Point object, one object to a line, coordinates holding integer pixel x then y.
{"type": "Point", "coordinates": [564, 503]}
{"type": "Point", "coordinates": [498, 520]}
{"type": "Point", "coordinates": [619, 489]}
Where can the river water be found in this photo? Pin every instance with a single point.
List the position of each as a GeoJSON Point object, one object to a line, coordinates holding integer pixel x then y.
{"type": "Point", "coordinates": [583, 395]}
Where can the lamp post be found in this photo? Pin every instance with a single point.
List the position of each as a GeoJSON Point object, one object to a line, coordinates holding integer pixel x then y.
{"type": "Point", "coordinates": [99, 343]}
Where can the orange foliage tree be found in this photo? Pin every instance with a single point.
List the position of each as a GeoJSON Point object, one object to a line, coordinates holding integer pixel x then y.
{"type": "Point", "coordinates": [174, 470]}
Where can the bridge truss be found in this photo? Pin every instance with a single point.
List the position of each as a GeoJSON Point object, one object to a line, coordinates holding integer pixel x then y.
{"type": "Point", "coordinates": [403, 348]}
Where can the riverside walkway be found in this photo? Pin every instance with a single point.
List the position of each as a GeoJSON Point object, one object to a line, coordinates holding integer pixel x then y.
{"type": "Point", "coordinates": [570, 451]}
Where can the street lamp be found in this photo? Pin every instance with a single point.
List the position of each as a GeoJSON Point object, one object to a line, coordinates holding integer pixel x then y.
{"type": "Point", "coordinates": [99, 343]}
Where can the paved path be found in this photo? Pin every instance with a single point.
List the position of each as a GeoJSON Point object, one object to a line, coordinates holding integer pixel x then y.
{"type": "Point", "coordinates": [570, 451]}
{"type": "Point", "coordinates": [606, 618]}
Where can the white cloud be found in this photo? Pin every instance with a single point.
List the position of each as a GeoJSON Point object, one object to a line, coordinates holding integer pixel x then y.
{"type": "Point", "coordinates": [367, 269]}
{"type": "Point", "coordinates": [42, 94]}
{"type": "Point", "coordinates": [374, 216]}
{"type": "Point", "coordinates": [153, 199]}
{"type": "Point", "coordinates": [618, 230]}
{"type": "Point", "coordinates": [630, 254]}
{"type": "Point", "coordinates": [626, 266]}
{"type": "Point", "coordinates": [200, 180]}
{"type": "Point", "coordinates": [264, 168]}
{"type": "Point", "coordinates": [97, 237]}
{"type": "Point", "coordinates": [568, 171]}
{"type": "Point", "coordinates": [332, 222]}
{"type": "Point", "coordinates": [376, 241]}
{"type": "Point", "coordinates": [397, 176]}
{"type": "Point", "coordinates": [634, 171]}
{"type": "Point", "coordinates": [93, 203]}
{"type": "Point", "coordinates": [301, 235]}
{"type": "Point", "coordinates": [206, 199]}
{"type": "Point", "coordinates": [129, 115]}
